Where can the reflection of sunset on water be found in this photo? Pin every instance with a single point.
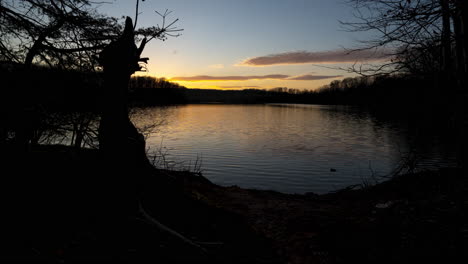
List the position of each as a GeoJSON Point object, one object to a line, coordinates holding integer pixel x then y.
{"type": "Point", "coordinates": [288, 148]}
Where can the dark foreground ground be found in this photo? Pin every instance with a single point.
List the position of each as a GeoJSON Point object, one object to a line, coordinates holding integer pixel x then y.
{"type": "Point", "coordinates": [60, 205]}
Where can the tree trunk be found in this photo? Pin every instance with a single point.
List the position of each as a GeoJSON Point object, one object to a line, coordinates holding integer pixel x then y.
{"type": "Point", "coordinates": [446, 44]}
{"type": "Point", "coordinates": [462, 12]}
{"type": "Point", "coordinates": [118, 137]}
{"type": "Point", "coordinates": [460, 19]}
{"type": "Point", "coordinates": [122, 147]}
{"type": "Point", "coordinates": [459, 25]}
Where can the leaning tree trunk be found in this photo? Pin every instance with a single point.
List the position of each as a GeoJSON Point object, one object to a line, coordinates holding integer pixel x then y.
{"type": "Point", "coordinates": [118, 137]}
{"type": "Point", "coordinates": [121, 146]}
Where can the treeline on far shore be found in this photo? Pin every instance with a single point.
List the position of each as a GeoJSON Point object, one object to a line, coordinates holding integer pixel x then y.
{"type": "Point", "coordinates": [77, 90]}
{"type": "Point", "coordinates": [397, 92]}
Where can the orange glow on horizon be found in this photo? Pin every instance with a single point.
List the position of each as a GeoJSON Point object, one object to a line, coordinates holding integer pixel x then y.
{"type": "Point", "coordinates": [261, 84]}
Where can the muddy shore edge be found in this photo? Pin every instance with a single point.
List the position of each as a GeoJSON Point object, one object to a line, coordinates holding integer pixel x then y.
{"type": "Point", "coordinates": [56, 208]}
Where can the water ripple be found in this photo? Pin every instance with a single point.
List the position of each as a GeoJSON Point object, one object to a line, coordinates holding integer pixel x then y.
{"type": "Point", "coordinates": [310, 149]}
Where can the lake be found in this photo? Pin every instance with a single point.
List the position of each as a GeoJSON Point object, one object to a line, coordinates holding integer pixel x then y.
{"type": "Point", "coordinates": [287, 148]}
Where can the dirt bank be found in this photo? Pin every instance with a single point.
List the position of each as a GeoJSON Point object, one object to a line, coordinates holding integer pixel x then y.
{"type": "Point", "coordinates": [409, 219]}
{"type": "Point", "coordinates": [62, 205]}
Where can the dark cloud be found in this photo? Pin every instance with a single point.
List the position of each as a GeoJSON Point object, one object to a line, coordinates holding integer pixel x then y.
{"type": "Point", "coordinates": [333, 56]}
{"type": "Point", "coordinates": [310, 77]}
{"type": "Point", "coordinates": [200, 78]}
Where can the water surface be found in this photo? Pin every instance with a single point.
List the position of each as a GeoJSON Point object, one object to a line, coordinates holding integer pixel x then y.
{"type": "Point", "coordinates": [287, 148]}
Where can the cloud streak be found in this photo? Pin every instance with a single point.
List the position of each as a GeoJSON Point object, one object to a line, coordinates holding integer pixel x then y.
{"type": "Point", "coordinates": [205, 78]}
{"type": "Point", "coordinates": [310, 77]}
{"type": "Point", "coordinates": [200, 78]}
{"type": "Point", "coordinates": [238, 86]}
{"type": "Point", "coordinates": [330, 57]}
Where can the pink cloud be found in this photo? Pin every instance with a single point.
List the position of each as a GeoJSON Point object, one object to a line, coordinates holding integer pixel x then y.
{"type": "Point", "coordinates": [333, 56]}
{"type": "Point", "coordinates": [310, 77]}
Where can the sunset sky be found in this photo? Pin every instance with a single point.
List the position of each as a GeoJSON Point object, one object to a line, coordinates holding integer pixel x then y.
{"type": "Point", "coordinates": [236, 44]}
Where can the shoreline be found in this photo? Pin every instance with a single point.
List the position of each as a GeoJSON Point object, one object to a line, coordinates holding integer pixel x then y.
{"type": "Point", "coordinates": [415, 217]}
{"type": "Point", "coordinates": [350, 224]}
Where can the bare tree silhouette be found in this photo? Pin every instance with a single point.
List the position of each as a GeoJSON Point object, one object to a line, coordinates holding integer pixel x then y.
{"type": "Point", "coordinates": [409, 29]}
{"type": "Point", "coordinates": [63, 34]}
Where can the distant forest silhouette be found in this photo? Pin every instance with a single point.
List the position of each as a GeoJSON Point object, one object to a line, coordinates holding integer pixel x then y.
{"type": "Point", "coordinates": [73, 90]}
{"type": "Point", "coordinates": [79, 90]}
